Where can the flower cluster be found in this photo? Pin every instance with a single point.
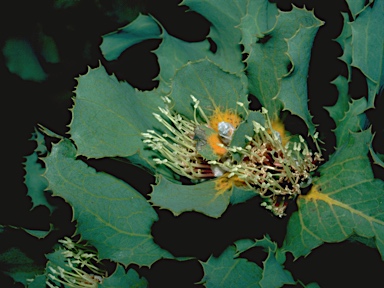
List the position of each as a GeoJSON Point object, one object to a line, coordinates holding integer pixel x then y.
{"type": "Point", "coordinates": [200, 148]}
{"type": "Point", "coordinates": [79, 270]}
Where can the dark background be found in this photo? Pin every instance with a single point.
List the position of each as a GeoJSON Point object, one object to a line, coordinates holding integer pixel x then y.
{"type": "Point", "coordinates": [77, 31]}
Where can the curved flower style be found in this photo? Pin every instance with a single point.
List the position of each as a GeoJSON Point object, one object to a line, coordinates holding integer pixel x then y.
{"type": "Point", "coordinates": [201, 149]}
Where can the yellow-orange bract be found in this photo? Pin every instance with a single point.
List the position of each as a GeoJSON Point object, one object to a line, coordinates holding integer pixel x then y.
{"type": "Point", "coordinates": [278, 126]}
{"type": "Point", "coordinates": [218, 116]}
{"type": "Point", "coordinates": [224, 183]}
{"type": "Point", "coordinates": [214, 141]}
{"type": "Point", "coordinates": [223, 116]}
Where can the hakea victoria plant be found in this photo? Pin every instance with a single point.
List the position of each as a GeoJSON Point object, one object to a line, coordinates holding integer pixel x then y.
{"type": "Point", "coordinates": [269, 164]}
{"type": "Point", "coordinates": [208, 150]}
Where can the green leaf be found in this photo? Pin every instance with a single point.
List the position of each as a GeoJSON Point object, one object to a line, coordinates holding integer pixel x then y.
{"type": "Point", "coordinates": [345, 41]}
{"type": "Point", "coordinates": [246, 128]}
{"type": "Point", "coordinates": [22, 60]}
{"type": "Point", "coordinates": [370, 242]}
{"type": "Point", "coordinates": [337, 111]}
{"type": "Point", "coordinates": [273, 274]}
{"type": "Point", "coordinates": [38, 282]}
{"type": "Point", "coordinates": [224, 17]}
{"type": "Point", "coordinates": [39, 233]}
{"type": "Point", "coordinates": [57, 259]}
{"type": "Point", "coordinates": [173, 53]}
{"type": "Point", "coordinates": [229, 271]}
{"type": "Point", "coordinates": [268, 59]}
{"type": "Point", "coordinates": [108, 115]}
{"type": "Point", "coordinates": [48, 48]}
{"type": "Point", "coordinates": [346, 199]}
{"type": "Point", "coordinates": [110, 214]}
{"type": "Point", "coordinates": [378, 158]}
{"type": "Point", "coordinates": [122, 279]}
{"type": "Point", "coordinates": [33, 179]}
{"type": "Point", "coordinates": [208, 197]}
{"type": "Point", "coordinates": [268, 245]}
{"type": "Point", "coordinates": [353, 121]}
{"type": "Point", "coordinates": [210, 85]}
{"type": "Point", "coordinates": [243, 245]}
{"type": "Point", "coordinates": [293, 91]}
{"type": "Point", "coordinates": [368, 48]}
{"type": "Point", "coordinates": [240, 195]}
{"type": "Point", "coordinates": [260, 18]}
{"type": "Point", "coordinates": [142, 28]}
{"type": "Point", "coordinates": [357, 6]}
{"type": "Point", "coordinates": [18, 265]}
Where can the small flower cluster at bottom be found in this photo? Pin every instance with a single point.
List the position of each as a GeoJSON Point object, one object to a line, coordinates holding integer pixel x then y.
{"type": "Point", "coordinates": [276, 171]}
{"type": "Point", "coordinates": [79, 270]}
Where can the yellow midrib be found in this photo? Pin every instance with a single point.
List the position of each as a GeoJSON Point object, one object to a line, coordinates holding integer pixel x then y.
{"type": "Point", "coordinates": [316, 195]}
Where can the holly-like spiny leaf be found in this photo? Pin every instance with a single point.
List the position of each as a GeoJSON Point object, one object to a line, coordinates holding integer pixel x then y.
{"type": "Point", "coordinates": [105, 115]}
{"type": "Point", "coordinates": [210, 198]}
{"type": "Point", "coordinates": [346, 199]}
{"type": "Point", "coordinates": [230, 270]}
{"type": "Point", "coordinates": [368, 48]}
{"type": "Point", "coordinates": [345, 41]}
{"type": "Point", "coordinates": [293, 92]}
{"type": "Point", "coordinates": [142, 28]}
{"type": "Point", "coordinates": [259, 19]}
{"type": "Point", "coordinates": [172, 52]}
{"type": "Point", "coordinates": [120, 215]}
{"type": "Point", "coordinates": [268, 58]}
{"type": "Point", "coordinates": [357, 6]}
{"type": "Point", "coordinates": [224, 16]}
{"type": "Point", "coordinates": [337, 111]}
{"type": "Point", "coordinates": [210, 85]}
{"type": "Point", "coordinates": [354, 121]}
{"type": "Point", "coordinates": [33, 179]}
{"type": "Point", "coordinates": [120, 278]}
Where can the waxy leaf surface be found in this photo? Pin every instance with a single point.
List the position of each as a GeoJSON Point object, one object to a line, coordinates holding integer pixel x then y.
{"type": "Point", "coordinates": [259, 19]}
{"type": "Point", "coordinates": [346, 199]}
{"type": "Point", "coordinates": [120, 215]}
{"type": "Point", "coordinates": [120, 278]}
{"type": "Point", "coordinates": [224, 16]}
{"type": "Point", "coordinates": [109, 116]}
{"type": "Point", "coordinates": [203, 197]}
{"type": "Point", "coordinates": [142, 28]}
{"type": "Point", "coordinates": [230, 270]}
{"type": "Point", "coordinates": [293, 92]}
{"type": "Point", "coordinates": [368, 47]}
{"type": "Point", "coordinates": [210, 85]}
{"type": "Point", "coordinates": [33, 178]}
{"type": "Point", "coordinates": [268, 59]}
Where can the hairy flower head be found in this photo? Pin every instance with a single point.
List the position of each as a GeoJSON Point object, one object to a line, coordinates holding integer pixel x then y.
{"type": "Point", "coordinates": [272, 164]}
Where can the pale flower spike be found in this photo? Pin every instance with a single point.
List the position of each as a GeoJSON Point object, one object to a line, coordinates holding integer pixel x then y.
{"type": "Point", "coordinates": [275, 171]}
{"type": "Point", "coordinates": [79, 271]}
